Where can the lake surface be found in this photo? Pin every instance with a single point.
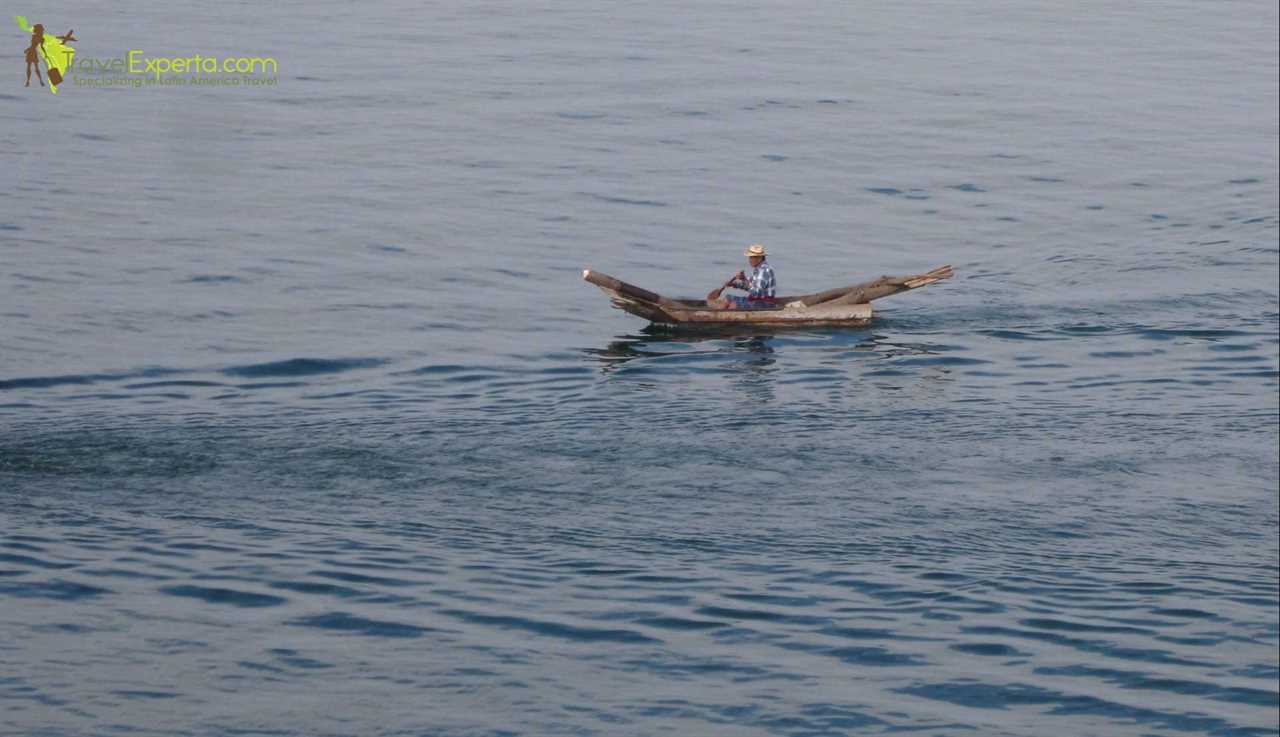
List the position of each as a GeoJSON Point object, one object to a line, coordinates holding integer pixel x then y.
{"type": "Point", "coordinates": [309, 425]}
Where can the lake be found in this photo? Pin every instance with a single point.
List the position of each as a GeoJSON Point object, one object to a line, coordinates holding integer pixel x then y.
{"type": "Point", "coordinates": [310, 426]}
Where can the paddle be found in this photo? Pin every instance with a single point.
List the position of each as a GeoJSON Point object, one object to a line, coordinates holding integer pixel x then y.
{"type": "Point", "coordinates": [714, 294]}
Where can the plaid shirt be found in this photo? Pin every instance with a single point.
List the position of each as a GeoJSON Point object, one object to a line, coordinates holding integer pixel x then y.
{"type": "Point", "coordinates": [760, 283]}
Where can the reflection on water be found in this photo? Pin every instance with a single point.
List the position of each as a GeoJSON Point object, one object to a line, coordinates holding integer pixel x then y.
{"type": "Point", "coordinates": [658, 345]}
{"type": "Point", "coordinates": [754, 363]}
{"type": "Point", "coordinates": [755, 375]}
{"type": "Point", "coordinates": [752, 350]}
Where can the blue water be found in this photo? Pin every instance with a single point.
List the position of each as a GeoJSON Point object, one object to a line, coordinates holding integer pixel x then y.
{"type": "Point", "coordinates": [309, 425]}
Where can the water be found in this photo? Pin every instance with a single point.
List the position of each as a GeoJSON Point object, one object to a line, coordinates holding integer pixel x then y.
{"type": "Point", "coordinates": [309, 426]}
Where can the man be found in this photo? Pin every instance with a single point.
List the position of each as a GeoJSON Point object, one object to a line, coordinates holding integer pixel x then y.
{"type": "Point", "coordinates": [760, 286]}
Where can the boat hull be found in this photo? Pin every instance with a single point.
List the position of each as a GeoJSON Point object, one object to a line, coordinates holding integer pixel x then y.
{"type": "Point", "coordinates": [856, 315]}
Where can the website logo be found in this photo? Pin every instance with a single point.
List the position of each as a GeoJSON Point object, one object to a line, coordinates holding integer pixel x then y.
{"type": "Point", "coordinates": [54, 61]}
{"type": "Point", "coordinates": [54, 52]}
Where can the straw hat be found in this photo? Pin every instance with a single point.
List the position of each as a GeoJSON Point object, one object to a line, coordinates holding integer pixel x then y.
{"type": "Point", "coordinates": [755, 250]}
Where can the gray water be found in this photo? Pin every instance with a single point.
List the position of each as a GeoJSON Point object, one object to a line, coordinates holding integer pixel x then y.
{"type": "Point", "coordinates": [309, 426]}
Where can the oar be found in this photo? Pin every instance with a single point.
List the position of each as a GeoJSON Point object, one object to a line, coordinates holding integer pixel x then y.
{"type": "Point", "coordinates": [714, 294]}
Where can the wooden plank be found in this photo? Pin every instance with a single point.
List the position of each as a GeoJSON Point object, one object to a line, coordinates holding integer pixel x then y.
{"type": "Point", "coordinates": [873, 289]}
{"type": "Point", "coordinates": [608, 282]}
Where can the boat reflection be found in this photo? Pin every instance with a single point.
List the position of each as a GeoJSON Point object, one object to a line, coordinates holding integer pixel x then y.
{"type": "Point", "coordinates": [678, 352]}
{"type": "Point", "coordinates": [761, 367]}
{"type": "Point", "coordinates": [691, 348]}
{"type": "Point", "coordinates": [749, 361]}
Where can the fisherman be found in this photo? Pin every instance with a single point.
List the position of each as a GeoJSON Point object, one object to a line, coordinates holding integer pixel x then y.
{"type": "Point", "coordinates": [759, 286]}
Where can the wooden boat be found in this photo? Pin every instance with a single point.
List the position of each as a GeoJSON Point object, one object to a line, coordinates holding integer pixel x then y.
{"type": "Point", "coordinates": [841, 307]}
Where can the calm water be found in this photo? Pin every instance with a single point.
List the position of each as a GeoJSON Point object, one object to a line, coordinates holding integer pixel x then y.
{"type": "Point", "coordinates": [309, 426]}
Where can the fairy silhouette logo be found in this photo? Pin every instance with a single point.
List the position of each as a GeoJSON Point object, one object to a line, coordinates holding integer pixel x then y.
{"type": "Point", "coordinates": [53, 52]}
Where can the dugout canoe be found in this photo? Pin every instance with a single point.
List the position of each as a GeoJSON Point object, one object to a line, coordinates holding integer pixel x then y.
{"type": "Point", "coordinates": [841, 307]}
